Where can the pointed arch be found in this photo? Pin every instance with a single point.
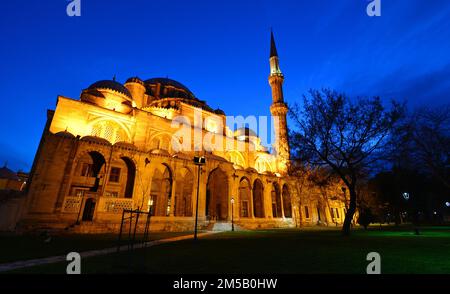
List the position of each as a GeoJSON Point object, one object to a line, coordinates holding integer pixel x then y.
{"type": "Point", "coordinates": [258, 199]}
{"type": "Point", "coordinates": [165, 141]}
{"type": "Point", "coordinates": [112, 130]}
{"type": "Point", "coordinates": [236, 158]}
{"type": "Point", "coordinates": [183, 192]}
{"type": "Point", "coordinates": [245, 194]}
{"type": "Point", "coordinates": [263, 165]}
{"type": "Point", "coordinates": [89, 167]}
{"type": "Point", "coordinates": [287, 204]}
{"type": "Point", "coordinates": [121, 178]}
{"type": "Point", "coordinates": [276, 201]}
{"type": "Point", "coordinates": [130, 177]}
{"type": "Point", "coordinates": [217, 195]}
{"type": "Point", "coordinates": [161, 191]}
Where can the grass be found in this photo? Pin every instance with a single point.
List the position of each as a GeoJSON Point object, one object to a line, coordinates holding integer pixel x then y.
{"type": "Point", "coordinates": [15, 247]}
{"type": "Point", "coordinates": [282, 251]}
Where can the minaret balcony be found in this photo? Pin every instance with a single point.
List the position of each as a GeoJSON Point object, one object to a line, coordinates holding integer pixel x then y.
{"type": "Point", "coordinates": [278, 105]}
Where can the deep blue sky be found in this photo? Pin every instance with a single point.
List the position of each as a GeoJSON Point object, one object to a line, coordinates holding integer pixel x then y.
{"type": "Point", "coordinates": [219, 49]}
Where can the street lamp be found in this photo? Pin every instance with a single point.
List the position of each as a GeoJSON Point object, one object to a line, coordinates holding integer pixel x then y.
{"type": "Point", "coordinates": [406, 195]}
{"type": "Point", "coordinates": [198, 161]}
{"type": "Point", "coordinates": [232, 214]}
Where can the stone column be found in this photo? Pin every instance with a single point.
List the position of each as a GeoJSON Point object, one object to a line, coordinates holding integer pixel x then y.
{"type": "Point", "coordinates": [202, 192]}
{"type": "Point", "coordinates": [281, 202]}
{"type": "Point", "coordinates": [252, 208]}
{"type": "Point", "coordinates": [173, 199]}
{"type": "Point", "coordinates": [232, 193]}
{"type": "Point", "coordinates": [267, 194]}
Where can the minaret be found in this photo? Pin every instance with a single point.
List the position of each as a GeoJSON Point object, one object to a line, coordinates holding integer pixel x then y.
{"type": "Point", "coordinates": [278, 109]}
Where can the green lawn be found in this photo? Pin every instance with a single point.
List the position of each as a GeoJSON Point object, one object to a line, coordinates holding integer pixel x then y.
{"type": "Point", "coordinates": [15, 248]}
{"type": "Point", "coordinates": [283, 251]}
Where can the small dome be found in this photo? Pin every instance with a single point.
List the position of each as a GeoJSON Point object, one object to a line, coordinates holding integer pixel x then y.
{"type": "Point", "coordinates": [65, 134]}
{"type": "Point", "coordinates": [125, 145]}
{"type": "Point", "coordinates": [94, 139]}
{"type": "Point", "coordinates": [246, 132]}
{"type": "Point", "coordinates": [135, 80]}
{"type": "Point", "coordinates": [219, 111]}
{"type": "Point", "coordinates": [110, 85]}
{"type": "Point", "coordinates": [6, 173]}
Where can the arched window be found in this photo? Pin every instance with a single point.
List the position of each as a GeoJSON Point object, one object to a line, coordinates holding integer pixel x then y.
{"type": "Point", "coordinates": [165, 142]}
{"type": "Point", "coordinates": [262, 165]}
{"type": "Point", "coordinates": [236, 158]}
{"type": "Point", "coordinates": [121, 178]}
{"type": "Point", "coordinates": [90, 165]}
{"type": "Point", "coordinates": [109, 130]}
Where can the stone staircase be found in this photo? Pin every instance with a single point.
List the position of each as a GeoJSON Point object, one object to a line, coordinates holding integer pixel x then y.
{"type": "Point", "coordinates": [224, 227]}
{"type": "Point", "coordinates": [93, 228]}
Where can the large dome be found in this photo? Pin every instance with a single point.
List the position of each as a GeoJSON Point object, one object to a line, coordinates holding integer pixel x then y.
{"type": "Point", "coordinates": [110, 85]}
{"type": "Point", "coordinates": [164, 90]}
{"type": "Point", "coordinates": [174, 89]}
{"type": "Point", "coordinates": [245, 132]}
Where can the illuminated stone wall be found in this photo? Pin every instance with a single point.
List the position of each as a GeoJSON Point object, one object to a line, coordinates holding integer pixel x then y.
{"type": "Point", "coordinates": [111, 151]}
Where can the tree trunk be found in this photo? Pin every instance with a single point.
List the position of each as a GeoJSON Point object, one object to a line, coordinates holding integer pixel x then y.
{"type": "Point", "coordinates": [299, 190]}
{"type": "Point", "coordinates": [350, 212]}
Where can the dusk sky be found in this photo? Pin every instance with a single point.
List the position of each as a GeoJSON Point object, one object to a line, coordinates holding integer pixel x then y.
{"type": "Point", "coordinates": [219, 50]}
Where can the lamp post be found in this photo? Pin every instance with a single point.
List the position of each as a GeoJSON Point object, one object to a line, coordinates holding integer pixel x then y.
{"type": "Point", "coordinates": [232, 214]}
{"type": "Point", "coordinates": [198, 161]}
{"type": "Point", "coordinates": [406, 196]}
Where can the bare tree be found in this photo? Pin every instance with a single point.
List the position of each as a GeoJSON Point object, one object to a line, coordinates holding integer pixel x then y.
{"type": "Point", "coordinates": [145, 183]}
{"type": "Point", "coordinates": [301, 174]}
{"type": "Point", "coordinates": [430, 134]}
{"type": "Point", "coordinates": [344, 135]}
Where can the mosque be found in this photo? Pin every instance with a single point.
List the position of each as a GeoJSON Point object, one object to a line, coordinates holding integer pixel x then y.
{"type": "Point", "coordinates": [116, 148]}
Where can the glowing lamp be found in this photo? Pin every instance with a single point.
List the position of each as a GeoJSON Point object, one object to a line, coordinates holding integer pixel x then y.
{"type": "Point", "coordinates": [406, 196]}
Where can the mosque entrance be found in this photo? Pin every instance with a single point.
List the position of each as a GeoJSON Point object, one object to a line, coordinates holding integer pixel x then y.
{"type": "Point", "coordinates": [217, 196]}
{"type": "Point", "coordinates": [89, 208]}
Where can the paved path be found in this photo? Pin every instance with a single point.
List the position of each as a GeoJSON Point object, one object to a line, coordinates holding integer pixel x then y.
{"type": "Point", "coordinates": [60, 258]}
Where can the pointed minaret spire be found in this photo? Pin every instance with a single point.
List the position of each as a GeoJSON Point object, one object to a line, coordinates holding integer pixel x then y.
{"type": "Point", "coordinates": [274, 61]}
{"type": "Point", "coordinates": [278, 109]}
{"type": "Point", "coordinates": [273, 47]}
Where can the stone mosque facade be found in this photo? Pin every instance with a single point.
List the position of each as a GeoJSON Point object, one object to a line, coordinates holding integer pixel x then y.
{"type": "Point", "coordinates": [115, 148]}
